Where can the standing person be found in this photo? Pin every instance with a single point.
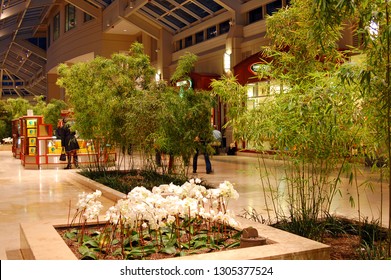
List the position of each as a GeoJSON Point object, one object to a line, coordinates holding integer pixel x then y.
{"type": "Point", "coordinates": [217, 134]}
{"type": "Point", "coordinates": [68, 139]}
{"type": "Point", "coordinates": [60, 132]}
{"type": "Point", "coordinates": [218, 139]}
{"type": "Point", "coordinates": [202, 145]}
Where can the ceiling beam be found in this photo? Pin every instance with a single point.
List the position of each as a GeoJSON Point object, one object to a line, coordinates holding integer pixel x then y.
{"type": "Point", "coordinates": [13, 10]}
{"type": "Point", "coordinates": [229, 4]}
{"type": "Point", "coordinates": [4, 43]}
{"type": "Point", "coordinates": [86, 7]}
{"type": "Point", "coordinates": [28, 55]}
{"type": "Point", "coordinates": [185, 9]}
{"type": "Point", "coordinates": [40, 3]}
{"type": "Point", "coordinates": [31, 47]}
{"type": "Point", "coordinates": [8, 30]}
{"type": "Point", "coordinates": [171, 13]}
{"type": "Point", "coordinates": [101, 4]}
{"type": "Point", "coordinates": [31, 23]}
{"type": "Point", "coordinates": [157, 17]}
{"type": "Point", "coordinates": [209, 11]}
{"type": "Point", "coordinates": [14, 71]}
{"type": "Point", "coordinates": [138, 21]}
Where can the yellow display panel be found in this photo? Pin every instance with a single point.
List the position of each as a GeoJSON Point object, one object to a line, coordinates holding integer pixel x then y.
{"type": "Point", "coordinates": [31, 123]}
{"type": "Point", "coordinates": [32, 141]}
{"type": "Point", "coordinates": [32, 151]}
{"type": "Point", "coordinates": [31, 132]}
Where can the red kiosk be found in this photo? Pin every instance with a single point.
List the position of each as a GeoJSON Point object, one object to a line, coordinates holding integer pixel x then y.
{"type": "Point", "coordinates": [35, 145]}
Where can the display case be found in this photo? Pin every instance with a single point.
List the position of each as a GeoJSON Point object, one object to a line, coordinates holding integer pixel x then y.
{"type": "Point", "coordinates": [88, 154]}
{"type": "Point", "coordinates": [39, 148]}
{"type": "Point", "coordinates": [34, 133]}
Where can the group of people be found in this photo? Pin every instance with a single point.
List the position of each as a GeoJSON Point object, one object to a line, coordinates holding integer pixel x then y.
{"type": "Point", "coordinates": [68, 142]}
{"type": "Point", "coordinates": [71, 146]}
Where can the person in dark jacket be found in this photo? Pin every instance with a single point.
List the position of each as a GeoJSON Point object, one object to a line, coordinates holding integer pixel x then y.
{"type": "Point", "coordinates": [69, 141]}
{"type": "Point", "coordinates": [202, 147]}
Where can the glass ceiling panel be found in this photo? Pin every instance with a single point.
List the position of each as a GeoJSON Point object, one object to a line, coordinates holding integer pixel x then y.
{"type": "Point", "coordinates": [167, 25]}
{"type": "Point", "coordinates": [187, 17]}
{"type": "Point", "coordinates": [175, 21]}
{"type": "Point", "coordinates": [196, 9]}
{"type": "Point", "coordinates": [210, 4]}
{"type": "Point", "coordinates": [179, 14]}
{"type": "Point", "coordinates": [155, 9]}
{"type": "Point", "coordinates": [165, 4]}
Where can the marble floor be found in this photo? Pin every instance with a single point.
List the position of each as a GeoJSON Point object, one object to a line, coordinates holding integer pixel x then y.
{"type": "Point", "coordinates": [47, 194]}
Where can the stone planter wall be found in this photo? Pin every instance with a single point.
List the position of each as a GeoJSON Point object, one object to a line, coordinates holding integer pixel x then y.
{"type": "Point", "coordinates": [40, 241]}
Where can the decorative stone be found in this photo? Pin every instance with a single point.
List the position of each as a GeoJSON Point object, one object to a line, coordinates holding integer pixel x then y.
{"type": "Point", "coordinates": [250, 232]}
{"type": "Point", "coordinates": [251, 238]}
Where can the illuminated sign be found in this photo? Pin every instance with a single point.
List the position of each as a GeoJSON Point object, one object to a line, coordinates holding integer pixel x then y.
{"type": "Point", "coordinates": [257, 66]}
{"type": "Point", "coordinates": [184, 83]}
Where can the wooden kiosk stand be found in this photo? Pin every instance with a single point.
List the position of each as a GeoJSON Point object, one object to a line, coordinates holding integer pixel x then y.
{"type": "Point", "coordinates": [34, 134]}
{"type": "Point", "coordinates": [35, 145]}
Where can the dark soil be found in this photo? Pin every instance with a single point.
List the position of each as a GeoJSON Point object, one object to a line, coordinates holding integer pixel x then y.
{"type": "Point", "coordinates": [344, 247]}
{"type": "Point", "coordinates": [125, 181]}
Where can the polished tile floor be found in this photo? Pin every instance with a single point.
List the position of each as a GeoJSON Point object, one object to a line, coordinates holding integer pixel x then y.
{"type": "Point", "coordinates": [47, 194]}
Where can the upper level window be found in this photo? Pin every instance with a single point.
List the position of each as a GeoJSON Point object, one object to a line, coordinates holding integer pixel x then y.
{"type": "Point", "coordinates": [211, 32]}
{"type": "Point", "coordinates": [56, 26]}
{"type": "Point", "coordinates": [199, 37]}
{"type": "Point", "coordinates": [88, 17]}
{"type": "Point", "coordinates": [188, 41]}
{"type": "Point", "coordinates": [178, 45]}
{"type": "Point", "coordinates": [70, 17]}
{"type": "Point", "coordinates": [255, 15]}
{"type": "Point", "coordinates": [224, 27]}
{"type": "Point", "coordinates": [273, 7]}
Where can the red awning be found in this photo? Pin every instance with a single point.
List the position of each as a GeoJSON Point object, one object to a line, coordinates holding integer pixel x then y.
{"type": "Point", "coordinates": [243, 70]}
{"type": "Point", "coordinates": [202, 81]}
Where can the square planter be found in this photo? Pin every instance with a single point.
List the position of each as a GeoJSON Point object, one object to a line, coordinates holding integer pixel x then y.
{"type": "Point", "coordinates": [41, 241]}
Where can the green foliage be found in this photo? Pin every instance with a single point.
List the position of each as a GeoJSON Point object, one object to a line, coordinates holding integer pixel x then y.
{"type": "Point", "coordinates": [184, 117]}
{"type": "Point", "coordinates": [52, 111]}
{"type": "Point", "coordinates": [310, 118]}
{"type": "Point", "coordinates": [116, 101]}
{"type": "Point", "coordinates": [15, 108]}
{"type": "Point", "coordinates": [5, 120]}
{"type": "Point", "coordinates": [373, 24]}
{"type": "Point", "coordinates": [295, 46]}
{"type": "Point", "coordinates": [235, 95]}
{"type": "Point", "coordinates": [377, 251]}
{"type": "Point", "coordinates": [185, 66]}
{"type": "Point", "coordinates": [309, 228]}
{"type": "Point", "coordinates": [110, 97]}
{"type": "Point", "coordinates": [18, 107]}
{"type": "Point", "coordinates": [142, 244]}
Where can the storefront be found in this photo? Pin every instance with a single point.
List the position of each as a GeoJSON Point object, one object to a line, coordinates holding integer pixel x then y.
{"type": "Point", "coordinates": [258, 90]}
{"type": "Point", "coordinates": [202, 81]}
